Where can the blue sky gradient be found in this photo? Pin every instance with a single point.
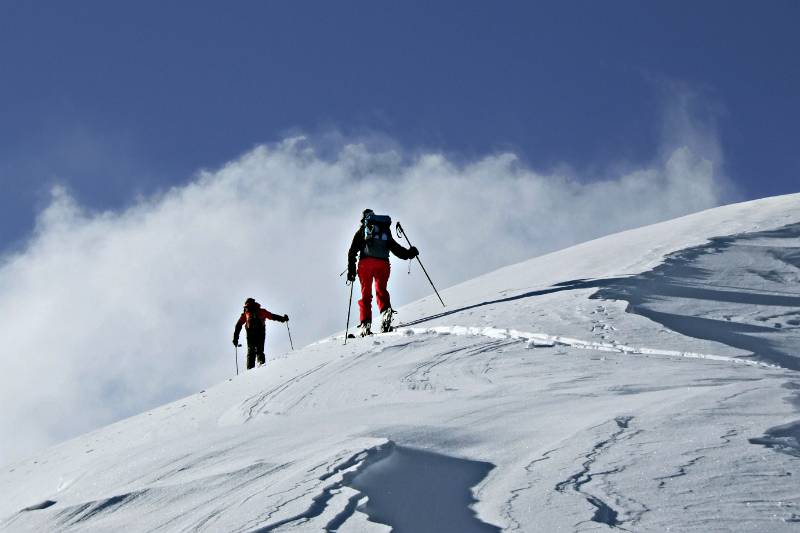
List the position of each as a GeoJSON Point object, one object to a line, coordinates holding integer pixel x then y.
{"type": "Point", "coordinates": [122, 100]}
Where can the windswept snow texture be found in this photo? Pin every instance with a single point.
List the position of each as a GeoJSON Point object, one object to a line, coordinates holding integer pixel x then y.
{"type": "Point", "coordinates": [742, 290]}
{"type": "Point", "coordinates": [646, 381]}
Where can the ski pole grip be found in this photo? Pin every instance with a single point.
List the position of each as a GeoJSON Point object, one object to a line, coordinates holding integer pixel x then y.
{"type": "Point", "coordinates": [401, 233]}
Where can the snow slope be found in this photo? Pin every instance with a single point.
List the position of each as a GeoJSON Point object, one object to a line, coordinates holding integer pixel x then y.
{"type": "Point", "coordinates": [645, 381]}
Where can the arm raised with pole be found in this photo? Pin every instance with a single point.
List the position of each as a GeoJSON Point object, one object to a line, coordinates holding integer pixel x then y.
{"type": "Point", "coordinates": [402, 233]}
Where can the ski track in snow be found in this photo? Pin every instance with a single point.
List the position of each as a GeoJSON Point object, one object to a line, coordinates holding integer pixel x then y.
{"type": "Point", "coordinates": [542, 340]}
{"type": "Point", "coordinates": [418, 378]}
{"type": "Point", "coordinates": [257, 403]}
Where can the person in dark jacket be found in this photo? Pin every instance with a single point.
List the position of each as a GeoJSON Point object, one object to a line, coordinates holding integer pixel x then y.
{"type": "Point", "coordinates": [373, 242]}
{"type": "Point", "coordinates": [254, 319]}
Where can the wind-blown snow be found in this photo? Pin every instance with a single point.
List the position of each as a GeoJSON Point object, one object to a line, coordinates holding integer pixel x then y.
{"type": "Point", "coordinates": [550, 395]}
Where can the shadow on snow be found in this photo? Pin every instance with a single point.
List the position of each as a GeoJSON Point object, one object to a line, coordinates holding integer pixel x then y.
{"type": "Point", "coordinates": [417, 491]}
{"type": "Point", "coordinates": [409, 490]}
{"type": "Point", "coordinates": [694, 274]}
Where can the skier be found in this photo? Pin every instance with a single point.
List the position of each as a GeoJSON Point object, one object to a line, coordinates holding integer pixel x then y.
{"type": "Point", "coordinates": [254, 319]}
{"type": "Point", "coordinates": [372, 242]}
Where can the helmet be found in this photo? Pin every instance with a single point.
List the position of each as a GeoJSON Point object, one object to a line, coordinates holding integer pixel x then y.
{"type": "Point", "coordinates": [365, 213]}
{"type": "Point", "coordinates": [249, 301]}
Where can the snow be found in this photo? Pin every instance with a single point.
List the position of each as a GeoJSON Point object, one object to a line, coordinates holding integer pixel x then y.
{"type": "Point", "coordinates": [634, 382]}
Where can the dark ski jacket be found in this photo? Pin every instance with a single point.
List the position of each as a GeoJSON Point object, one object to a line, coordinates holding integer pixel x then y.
{"type": "Point", "coordinates": [359, 245]}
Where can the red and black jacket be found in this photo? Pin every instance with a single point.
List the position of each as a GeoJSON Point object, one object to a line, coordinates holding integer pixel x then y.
{"type": "Point", "coordinates": [256, 314]}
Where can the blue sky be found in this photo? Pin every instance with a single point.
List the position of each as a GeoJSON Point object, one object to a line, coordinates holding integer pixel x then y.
{"type": "Point", "coordinates": [121, 100]}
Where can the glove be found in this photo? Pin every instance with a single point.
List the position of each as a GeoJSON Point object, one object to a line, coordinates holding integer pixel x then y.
{"type": "Point", "coordinates": [413, 251]}
{"type": "Point", "coordinates": [351, 274]}
{"type": "Point", "coordinates": [236, 342]}
{"type": "Point", "coordinates": [285, 318]}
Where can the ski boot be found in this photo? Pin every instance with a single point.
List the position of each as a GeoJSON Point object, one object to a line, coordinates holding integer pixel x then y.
{"type": "Point", "coordinates": [386, 320]}
{"type": "Point", "coordinates": [365, 328]}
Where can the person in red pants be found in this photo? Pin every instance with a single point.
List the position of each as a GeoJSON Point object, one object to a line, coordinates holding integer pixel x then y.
{"type": "Point", "coordinates": [254, 318]}
{"type": "Point", "coordinates": [373, 242]}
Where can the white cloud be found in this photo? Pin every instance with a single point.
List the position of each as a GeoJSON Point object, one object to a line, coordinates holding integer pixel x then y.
{"type": "Point", "coordinates": [103, 315]}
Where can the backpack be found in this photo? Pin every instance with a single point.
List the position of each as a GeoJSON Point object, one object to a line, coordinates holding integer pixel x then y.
{"type": "Point", "coordinates": [377, 234]}
{"type": "Point", "coordinates": [377, 226]}
{"type": "Point", "coordinates": [251, 319]}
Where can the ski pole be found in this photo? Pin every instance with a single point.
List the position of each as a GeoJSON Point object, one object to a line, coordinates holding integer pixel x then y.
{"type": "Point", "coordinates": [402, 233]}
{"type": "Point", "coordinates": [236, 350]}
{"type": "Point", "coordinates": [290, 335]}
{"type": "Point", "coordinates": [349, 307]}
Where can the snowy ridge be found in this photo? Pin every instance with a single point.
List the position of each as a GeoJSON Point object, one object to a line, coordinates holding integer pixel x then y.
{"type": "Point", "coordinates": [629, 252]}
{"type": "Point", "coordinates": [540, 340]}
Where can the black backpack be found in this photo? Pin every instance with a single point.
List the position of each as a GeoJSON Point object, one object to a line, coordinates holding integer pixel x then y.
{"type": "Point", "coordinates": [377, 226]}
{"type": "Point", "coordinates": [377, 234]}
{"type": "Point", "coordinates": [253, 322]}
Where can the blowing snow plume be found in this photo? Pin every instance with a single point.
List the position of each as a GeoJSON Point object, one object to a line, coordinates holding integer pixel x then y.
{"type": "Point", "coordinates": [106, 314]}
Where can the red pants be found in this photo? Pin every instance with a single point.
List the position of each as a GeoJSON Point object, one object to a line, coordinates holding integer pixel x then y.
{"type": "Point", "coordinates": [370, 268]}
